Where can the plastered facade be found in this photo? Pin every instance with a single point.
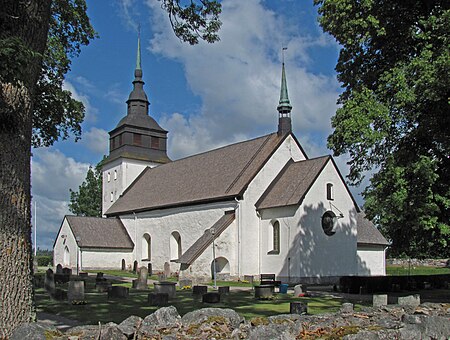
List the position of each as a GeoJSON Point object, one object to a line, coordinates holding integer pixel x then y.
{"type": "Point", "coordinates": [371, 260]}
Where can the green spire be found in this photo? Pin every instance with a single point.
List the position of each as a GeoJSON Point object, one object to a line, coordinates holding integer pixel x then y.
{"type": "Point", "coordinates": [284, 106]}
{"type": "Point", "coordinates": [138, 57]}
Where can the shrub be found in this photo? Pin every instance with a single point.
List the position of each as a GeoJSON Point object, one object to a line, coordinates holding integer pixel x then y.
{"type": "Point", "coordinates": [44, 260]}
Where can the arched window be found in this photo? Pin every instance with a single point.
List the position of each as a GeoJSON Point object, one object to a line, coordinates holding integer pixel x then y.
{"type": "Point", "coordinates": [66, 257]}
{"type": "Point", "coordinates": [115, 174]}
{"type": "Point", "coordinates": [275, 238]}
{"type": "Point", "coordinates": [222, 266]}
{"type": "Point", "coordinates": [175, 246]}
{"type": "Point", "coordinates": [108, 176]}
{"type": "Point", "coordinates": [330, 193]}
{"type": "Point", "coordinates": [146, 247]}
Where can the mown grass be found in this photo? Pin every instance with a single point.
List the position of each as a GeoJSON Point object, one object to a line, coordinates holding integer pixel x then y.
{"type": "Point", "coordinates": [402, 270]}
{"type": "Point", "coordinates": [100, 308]}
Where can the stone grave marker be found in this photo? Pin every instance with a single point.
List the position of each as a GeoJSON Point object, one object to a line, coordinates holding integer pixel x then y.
{"type": "Point", "coordinates": [165, 287]}
{"type": "Point", "coordinates": [49, 282]}
{"type": "Point", "coordinates": [103, 286]}
{"type": "Point", "coordinates": [75, 291]}
{"type": "Point", "coordinates": [249, 278]}
{"type": "Point", "coordinates": [141, 282]}
{"type": "Point", "coordinates": [224, 290]}
{"type": "Point", "coordinates": [410, 300]}
{"type": "Point", "coordinates": [211, 297]}
{"type": "Point", "coordinates": [158, 299]}
{"type": "Point", "coordinates": [118, 292]}
{"type": "Point", "coordinates": [59, 269]}
{"type": "Point", "coordinates": [379, 300]}
{"type": "Point", "coordinates": [184, 283]}
{"type": "Point", "coordinates": [346, 308]}
{"type": "Point", "coordinates": [199, 290]}
{"type": "Point", "coordinates": [167, 269]}
{"type": "Point", "coordinates": [299, 308]}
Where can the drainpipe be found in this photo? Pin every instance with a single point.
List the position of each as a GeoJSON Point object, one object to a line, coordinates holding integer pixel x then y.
{"type": "Point", "coordinates": [259, 241]}
{"type": "Point", "coordinates": [135, 236]}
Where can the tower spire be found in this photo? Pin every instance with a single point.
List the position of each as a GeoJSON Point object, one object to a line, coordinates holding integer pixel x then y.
{"type": "Point", "coordinates": [284, 106]}
{"type": "Point", "coordinates": [137, 101]}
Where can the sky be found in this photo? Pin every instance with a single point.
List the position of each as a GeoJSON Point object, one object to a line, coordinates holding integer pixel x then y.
{"type": "Point", "coordinates": [206, 96]}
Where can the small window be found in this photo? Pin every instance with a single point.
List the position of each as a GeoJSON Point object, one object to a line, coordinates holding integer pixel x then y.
{"type": "Point", "coordinates": [109, 176]}
{"type": "Point", "coordinates": [137, 139]}
{"type": "Point", "coordinates": [112, 196]}
{"type": "Point", "coordinates": [330, 193]}
{"type": "Point", "coordinates": [275, 238]}
{"type": "Point", "coordinates": [115, 174]}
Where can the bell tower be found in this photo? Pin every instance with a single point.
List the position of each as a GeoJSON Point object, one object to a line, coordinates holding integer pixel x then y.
{"type": "Point", "coordinates": [284, 106]}
{"type": "Point", "coordinates": [134, 144]}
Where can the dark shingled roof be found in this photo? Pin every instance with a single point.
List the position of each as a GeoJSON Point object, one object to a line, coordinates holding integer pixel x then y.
{"type": "Point", "coordinates": [367, 232]}
{"type": "Point", "coordinates": [206, 239]}
{"type": "Point", "coordinates": [97, 232]}
{"type": "Point", "coordinates": [219, 174]}
{"type": "Point", "coordinates": [292, 183]}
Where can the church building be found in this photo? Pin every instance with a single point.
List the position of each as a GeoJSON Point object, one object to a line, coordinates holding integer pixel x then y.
{"type": "Point", "coordinates": [257, 206]}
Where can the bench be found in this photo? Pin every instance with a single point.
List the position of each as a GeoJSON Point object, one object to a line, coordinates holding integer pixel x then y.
{"type": "Point", "coordinates": [269, 279]}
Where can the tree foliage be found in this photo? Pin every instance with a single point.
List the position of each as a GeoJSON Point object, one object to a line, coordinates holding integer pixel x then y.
{"type": "Point", "coordinates": [87, 201]}
{"type": "Point", "coordinates": [394, 115]}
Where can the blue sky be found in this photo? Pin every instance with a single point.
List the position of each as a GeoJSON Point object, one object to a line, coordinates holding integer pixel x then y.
{"type": "Point", "coordinates": [206, 96]}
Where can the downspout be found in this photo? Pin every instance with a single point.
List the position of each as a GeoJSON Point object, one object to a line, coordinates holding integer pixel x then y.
{"type": "Point", "coordinates": [259, 242]}
{"type": "Point", "coordinates": [135, 236]}
{"type": "Point", "coordinates": [239, 240]}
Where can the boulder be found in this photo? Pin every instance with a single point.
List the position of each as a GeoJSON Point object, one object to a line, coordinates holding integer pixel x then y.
{"type": "Point", "coordinates": [34, 330]}
{"type": "Point", "coordinates": [165, 317]}
{"type": "Point", "coordinates": [130, 326]}
{"type": "Point", "coordinates": [202, 315]}
{"type": "Point", "coordinates": [109, 331]}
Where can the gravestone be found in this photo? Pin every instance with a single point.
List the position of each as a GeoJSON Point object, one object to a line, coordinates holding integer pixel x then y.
{"type": "Point", "coordinates": [346, 308]}
{"type": "Point", "coordinates": [410, 300]}
{"type": "Point", "coordinates": [83, 275]}
{"type": "Point", "coordinates": [299, 308]}
{"type": "Point", "coordinates": [248, 278]}
{"type": "Point", "coordinates": [60, 294]}
{"type": "Point", "coordinates": [299, 290]}
{"type": "Point", "coordinates": [67, 271]}
{"type": "Point", "coordinates": [379, 300]}
{"type": "Point", "coordinates": [167, 269]}
{"type": "Point", "coordinates": [224, 290]}
{"type": "Point", "coordinates": [211, 297]}
{"type": "Point", "coordinates": [141, 282]}
{"type": "Point", "coordinates": [75, 291]}
{"type": "Point", "coordinates": [118, 292]}
{"type": "Point", "coordinates": [264, 291]}
{"type": "Point", "coordinates": [161, 277]}
{"type": "Point", "coordinates": [99, 276]}
{"type": "Point", "coordinates": [184, 283]}
{"type": "Point", "coordinates": [158, 299]}
{"type": "Point", "coordinates": [150, 269]}
{"type": "Point", "coordinates": [49, 282]}
{"type": "Point", "coordinates": [59, 269]}
{"type": "Point", "coordinates": [103, 286]}
{"type": "Point", "coordinates": [199, 290]}
{"type": "Point", "coordinates": [165, 287]}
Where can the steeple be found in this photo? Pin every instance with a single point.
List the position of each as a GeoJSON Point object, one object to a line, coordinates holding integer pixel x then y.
{"type": "Point", "coordinates": [284, 106]}
{"type": "Point", "coordinates": [137, 101]}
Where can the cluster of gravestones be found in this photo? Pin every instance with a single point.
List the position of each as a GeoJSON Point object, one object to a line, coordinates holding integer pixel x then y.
{"type": "Point", "coordinates": [76, 286]}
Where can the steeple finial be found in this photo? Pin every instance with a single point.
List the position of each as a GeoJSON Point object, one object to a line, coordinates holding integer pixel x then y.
{"type": "Point", "coordinates": [138, 56]}
{"type": "Point", "coordinates": [284, 106]}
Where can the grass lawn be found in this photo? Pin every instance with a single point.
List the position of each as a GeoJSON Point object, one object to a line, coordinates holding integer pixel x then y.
{"type": "Point", "coordinates": [402, 270]}
{"type": "Point", "coordinates": [100, 308]}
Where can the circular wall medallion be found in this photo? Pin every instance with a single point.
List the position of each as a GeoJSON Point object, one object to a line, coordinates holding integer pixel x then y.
{"type": "Point", "coordinates": [329, 222]}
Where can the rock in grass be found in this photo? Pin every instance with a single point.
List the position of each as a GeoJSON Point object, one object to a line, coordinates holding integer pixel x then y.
{"type": "Point", "coordinates": [202, 315]}
{"type": "Point", "coordinates": [130, 326]}
{"type": "Point", "coordinates": [165, 317]}
{"type": "Point", "coordinates": [34, 330]}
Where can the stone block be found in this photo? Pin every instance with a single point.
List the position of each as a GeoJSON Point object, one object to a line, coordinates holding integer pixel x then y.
{"type": "Point", "coordinates": [158, 299]}
{"type": "Point", "coordinates": [264, 291]}
{"type": "Point", "coordinates": [165, 287]}
{"type": "Point", "coordinates": [346, 308]}
{"type": "Point", "coordinates": [299, 290]}
{"type": "Point", "coordinates": [83, 274]}
{"type": "Point", "coordinates": [199, 290]}
{"type": "Point", "coordinates": [211, 297]}
{"type": "Point", "coordinates": [249, 278]}
{"type": "Point", "coordinates": [75, 291]}
{"type": "Point", "coordinates": [224, 290]}
{"type": "Point", "coordinates": [118, 292]}
{"type": "Point", "coordinates": [379, 300]}
{"type": "Point", "coordinates": [410, 300]}
{"type": "Point", "coordinates": [298, 308]}
{"type": "Point", "coordinates": [103, 286]}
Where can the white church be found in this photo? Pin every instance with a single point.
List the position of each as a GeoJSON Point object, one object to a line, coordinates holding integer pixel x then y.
{"type": "Point", "coordinates": [260, 206]}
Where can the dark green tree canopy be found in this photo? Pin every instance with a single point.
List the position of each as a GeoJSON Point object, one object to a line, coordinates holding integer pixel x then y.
{"type": "Point", "coordinates": [87, 201]}
{"type": "Point", "coordinates": [394, 114]}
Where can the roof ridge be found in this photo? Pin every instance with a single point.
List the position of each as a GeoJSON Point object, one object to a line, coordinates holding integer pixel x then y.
{"type": "Point", "coordinates": [248, 163]}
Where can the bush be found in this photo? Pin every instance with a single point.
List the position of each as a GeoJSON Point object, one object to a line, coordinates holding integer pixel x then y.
{"type": "Point", "coordinates": [44, 260]}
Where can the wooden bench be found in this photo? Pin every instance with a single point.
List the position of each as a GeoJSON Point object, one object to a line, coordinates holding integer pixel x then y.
{"type": "Point", "coordinates": [269, 279]}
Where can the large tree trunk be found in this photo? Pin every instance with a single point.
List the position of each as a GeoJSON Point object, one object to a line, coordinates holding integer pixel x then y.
{"type": "Point", "coordinates": [29, 21]}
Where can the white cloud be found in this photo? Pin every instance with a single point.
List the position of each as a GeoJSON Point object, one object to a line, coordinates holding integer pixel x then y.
{"type": "Point", "coordinates": [239, 77]}
{"type": "Point", "coordinates": [90, 111]}
{"type": "Point", "coordinates": [96, 140]}
{"type": "Point", "coordinates": [128, 13]}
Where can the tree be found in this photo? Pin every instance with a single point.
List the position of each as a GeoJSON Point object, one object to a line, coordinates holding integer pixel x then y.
{"type": "Point", "coordinates": [38, 38]}
{"type": "Point", "coordinates": [394, 114]}
{"type": "Point", "coordinates": [87, 201]}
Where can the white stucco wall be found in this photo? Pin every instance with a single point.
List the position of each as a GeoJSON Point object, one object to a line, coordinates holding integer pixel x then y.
{"type": "Point", "coordinates": [306, 251]}
{"type": "Point", "coordinates": [127, 171]}
{"type": "Point", "coordinates": [371, 260]}
{"type": "Point", "coordinates": [249, 236]}
{"type": "Point", "coordinates": [105, 259]}
{"type": "Point", "coordinates": [65, 238]}
{"type": "Point", "coordinates": [190, 222]}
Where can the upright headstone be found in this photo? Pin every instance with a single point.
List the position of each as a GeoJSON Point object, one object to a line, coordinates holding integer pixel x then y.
{"type": "Point", "coordinates": [49, 282]}
{"type": "Point", "coordinates": [75, 291]}
{"type": "Point", "coordinates": [298, 308]}
{"type": "Point", "coordinates": [299, 290]}
{"type": "Point", "coordinates": [118, 292]}
{"type": "Point", "coordinates": [167, 269]}
{"type": "Point", "coordinates": [59, 269]}
{"type": "Point", "coordinates": [141, 281]}
{"type": "Point", "coordinates": [379, 300]}
{"type": "Point", "coordinates": [143, 274]}
{"type": "Point", "coordinates": [199, 290]}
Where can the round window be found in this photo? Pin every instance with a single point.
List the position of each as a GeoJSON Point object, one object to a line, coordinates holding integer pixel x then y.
{"type": "Point", "coordinates": [329, 222]}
